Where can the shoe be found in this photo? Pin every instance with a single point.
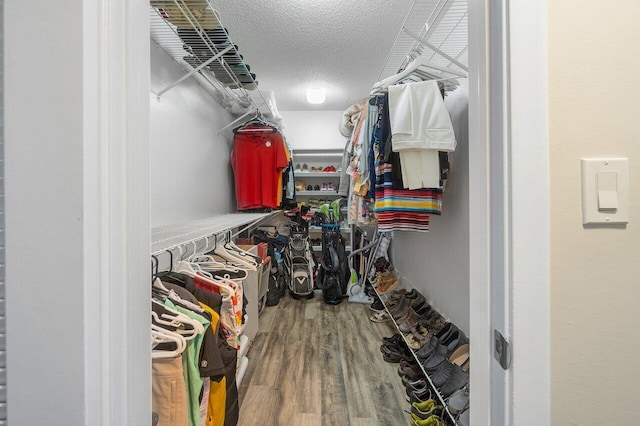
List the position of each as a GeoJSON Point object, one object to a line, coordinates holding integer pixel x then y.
{"type": "Point", "coordinates": [324, 186]}
{"type": "Point", "coordinates": [309, 187]}
{"type": "Point", "coordinates": [436, 358]}
{"type": "Point", "coordinates": [331, 187]}
{"type": "Point", "coordinates": [457, 380]}
{"type": "Point", "coordinates": [391, 358]}
{"type": "Point", "coordinates": [442, 374]}
{"type": "Point", "coordinates": [434, 321]}
{"type": "Point", "coordinates": [385, 276]}
{"type": "Point", "coordinates": [407, 323]}
{"type": "Point", "coordinates": [415, 340]}
{"type": "Point", "coordinates": [421, 386]}
{"type": "Point", "coordinates": [453, 341]}
{"type": "Point", "coordinates": [315, 169]}
{"type": "Point", "coordinates": [422, 309]}
{"type": "Point", "coordinates": [411, 378]}
{"type": "Point", "coordinates": [395, 352]}
{"type": "Point", "coordinates": [448, 332]}
{"type": "Point", "coordinates": [300, 186]}
{"type": "Point", "coordinates": [316, 188]}
{"type": "Point", "coordinates": [459, 401]}
{"type": "Point", "coordinates": [305, 168]}
{"type": "Point", "coordinates": [425, 409]}
{"type": "Point", "coordinates": [377, 306]}
{"type": "Point", "coordinates": [329, 169]}
{"type": "Point", "coordinates": [463, 420]}
{"type": "Point", "coordinates": [420, 396]}
{"type": "Point", "coordinates": [396, 339]}
{"type": "Point", "coordinates": [448, 339]}
{"type": "Point", "coordinates": [387, 285]}
{"type": "Point", "coordinates": [399, 308]}
{"type": "Point", "coordinates": [425, 352]}
{"type": "Point", "coordinates": [433, 420]}
{"type": "Point", "coordinates": [381, 264]}
{"type": "Point", "coordinates": [298, 167]}
{"type": "Point", "coordinates": [460, 356]}
{"type": "Point", "coordinates": [380, 317]}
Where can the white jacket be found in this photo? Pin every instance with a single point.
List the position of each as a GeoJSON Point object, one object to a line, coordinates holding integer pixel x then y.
{"type": "Point", "coordinates": [419, 119]}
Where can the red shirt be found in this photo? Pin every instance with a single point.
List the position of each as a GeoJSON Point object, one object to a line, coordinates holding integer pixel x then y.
{"type": "Point", "coordinates": [258, 159]}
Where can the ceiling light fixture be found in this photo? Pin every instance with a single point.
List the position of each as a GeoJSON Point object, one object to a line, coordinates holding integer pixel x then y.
{"type": "Point", "coordinates": [316, 95]}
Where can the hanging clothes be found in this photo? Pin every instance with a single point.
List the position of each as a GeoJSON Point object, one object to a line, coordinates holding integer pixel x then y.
{"type": "Point", "coordinates": [212, 365]}
{"type": "Point", "coordinates": [420, 127]}
{"type": "Point", "coordinates": [258, 159]}
{"type": "Point", "coordinates": [397, 208]}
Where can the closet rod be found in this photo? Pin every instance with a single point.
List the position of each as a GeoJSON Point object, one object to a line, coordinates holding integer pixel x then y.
{"type": "Point", "coordinates": [192, 72]}
{"type": "Point", "coordinates": [435, 49]}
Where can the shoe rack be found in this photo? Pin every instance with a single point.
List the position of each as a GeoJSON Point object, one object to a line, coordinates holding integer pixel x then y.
{"type": "Point", "coordinates": [317, 159]}
{"type": "Point", "coordinates": [450, 418]}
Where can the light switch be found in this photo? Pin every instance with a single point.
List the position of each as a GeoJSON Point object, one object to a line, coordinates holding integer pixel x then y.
{"type": "Point", "coordinates": [605, 190]}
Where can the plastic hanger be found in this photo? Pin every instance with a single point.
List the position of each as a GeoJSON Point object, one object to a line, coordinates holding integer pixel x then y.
{"type": "Point", "coordinates": [177, 323]}
{"type": "Point", "coordinates": [221, 251]}
{"type": "Point", "coordinates": [160, 335]}
{"type": "Point", "coordinates": [230, 245]}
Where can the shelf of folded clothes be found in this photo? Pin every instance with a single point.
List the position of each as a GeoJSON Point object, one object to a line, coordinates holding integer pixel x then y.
{"type": "Point", "coordinates": [192, 33]}
{"type": "Point", "coordinates": [433, 354]}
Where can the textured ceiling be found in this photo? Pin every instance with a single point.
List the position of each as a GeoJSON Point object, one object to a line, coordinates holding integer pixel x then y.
{"type": "Point", "coordinates": [295, 44]}
{"type": "Point", "coordinates": [346, 47]}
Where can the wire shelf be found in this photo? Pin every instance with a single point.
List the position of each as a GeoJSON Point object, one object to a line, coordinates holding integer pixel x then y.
{"type": "Point", "coordinates": [193, 35]}
{"type": "Point", "coordinates": [441, 23]}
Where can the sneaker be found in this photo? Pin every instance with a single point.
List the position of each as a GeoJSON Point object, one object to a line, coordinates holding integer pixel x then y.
{"type": "Point", "coordinates": [305, 168]}
{"type": "Point", "coordinates": [309, 187]}
{"type": "Point", "coordinates": [316, 188]}
{"type": "Point", "coordinates": [331, 187]}
{"type": "Point", "coordinates": [298, 168]}
{"type": "Point", "coordinates": [329, 169]}
{"type": "Point", "coordinates": [324, 186]}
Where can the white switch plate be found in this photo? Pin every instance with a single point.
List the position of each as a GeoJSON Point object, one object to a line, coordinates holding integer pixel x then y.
{"type": "Point", "coordinates": [605, 181]}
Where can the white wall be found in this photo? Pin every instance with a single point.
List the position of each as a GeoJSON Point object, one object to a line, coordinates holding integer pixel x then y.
{"type": "Point", "coordinates": [595, 272]}
{"type": "Point", "coordinates": [40, 344]}
{"type": "Point", "coordinates": [313, 129]}
{"type": "Point", "coordinates": [191, 175]}
{"type": "Point", "coordinates": [437, 262]}
{"type": "Point", "coordinates": [77, 213]}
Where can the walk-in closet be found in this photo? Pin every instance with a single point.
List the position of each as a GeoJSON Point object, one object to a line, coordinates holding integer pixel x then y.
{"type": "Point", "coordinates": [310, 208]}
{"type": "Point", "coordinates": [403, 212]}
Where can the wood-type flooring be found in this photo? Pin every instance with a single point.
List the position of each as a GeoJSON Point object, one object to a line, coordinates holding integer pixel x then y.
{"type": "Point", "coordinates": [316, 364]}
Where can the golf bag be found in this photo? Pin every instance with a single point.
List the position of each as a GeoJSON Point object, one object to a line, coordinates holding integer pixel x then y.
{"type": "Point", "coordinates": [298, 264]}
{"type": "Point", "coordinates": [334, 273]}
{"type": "Point", "coordinates": [277, 245]}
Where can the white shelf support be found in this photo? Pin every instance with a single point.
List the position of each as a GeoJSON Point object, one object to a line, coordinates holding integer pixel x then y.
{"type": "Point", "coordinates": [435, 49]}
{"type": "Point", "coordinates": [195, 70]}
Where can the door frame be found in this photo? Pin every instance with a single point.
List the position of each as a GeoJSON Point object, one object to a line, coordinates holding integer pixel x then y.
{"type": "Point", "coordinates": [116, 110]}
{"type": "Point", "coordinates": [117, 236]}
{"type": "Point", "coordinates": [524, 232]}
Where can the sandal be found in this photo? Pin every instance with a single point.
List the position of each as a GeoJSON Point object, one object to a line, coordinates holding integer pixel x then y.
{"type": "Point", "coordinates": [380, 317]}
